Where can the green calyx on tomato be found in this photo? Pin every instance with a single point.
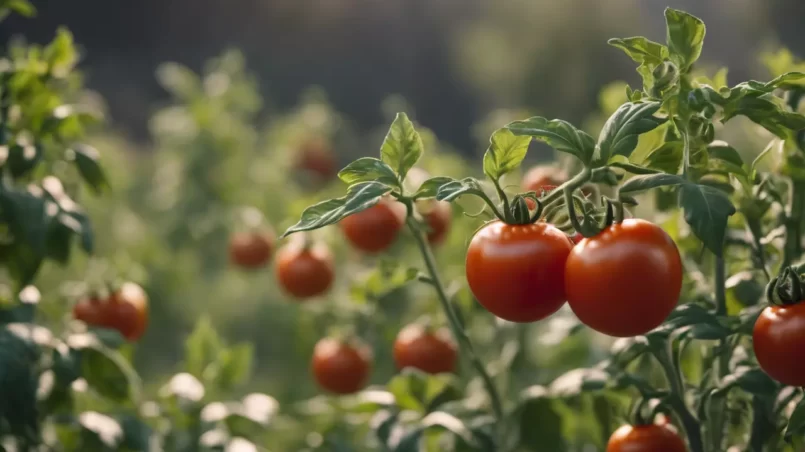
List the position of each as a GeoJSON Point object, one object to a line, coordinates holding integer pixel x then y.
{"type": "Point", "coordinates": [786, 289]}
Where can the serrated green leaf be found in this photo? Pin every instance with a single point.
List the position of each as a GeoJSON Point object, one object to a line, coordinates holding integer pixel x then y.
{"type": "Point", "coordinates": [431, 187]}
{"type": "Point", "coordinates": [86, 160]}
{"type": "Point", "coordinates": [505, 153]}
{"type": "Point", "coordinates": [402, 147]}
{"type": "Point", "coordinates": [359, 197]}
{"type": "Point", "coordinates": [685, 37]}
{"type": "Point", "coordinates": [640, 49]}
{"type": "Point", "coordinates": [368, 169]}
{"type": "Point", "coordinates": [622, 130]}
{"type": "Point", "coordinates": [787, 80]}
{"type": "Point", "coordinates": [667, 158]}
{"type": "Point", "coordinates": [706, 211]}
{"type": "Point", "coordinates": [721, 150]}
{"type": "Point", "coordinates": [649, 181]}
{"type": "Point", "coordinates": [559, 134]}
{"type": "Point", "coordinates": [452, 190]}
{"type": "Point", "coordinates": [105, 371]}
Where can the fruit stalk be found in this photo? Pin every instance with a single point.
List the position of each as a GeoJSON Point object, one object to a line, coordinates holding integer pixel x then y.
{"type": "Point", "coordinates": [465, 344]}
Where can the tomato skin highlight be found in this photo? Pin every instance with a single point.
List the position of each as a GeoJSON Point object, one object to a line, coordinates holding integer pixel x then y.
{"type": "Point", "coordinates": [517, 272]}
{"type": "Point", "coordinates": [305, 271]}
{"type": "Point", "coordinates": [251, 250]}
{"type": "Point", "coordinates": [432, 352]}
{"type": "Point", "coordinates": [375, 229]}
{"type": "Point", "coordinates": [626, 280]}
{"type": "Point", "coordinates": [645, 438]}
{"type": "Point", "coordinates": [340, 367]}
{"type": "Point", "coordinates": [779, 343]}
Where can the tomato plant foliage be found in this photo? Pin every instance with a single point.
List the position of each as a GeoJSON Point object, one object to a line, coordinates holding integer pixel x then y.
{"type": "Point", "coordinates": [685, 254]}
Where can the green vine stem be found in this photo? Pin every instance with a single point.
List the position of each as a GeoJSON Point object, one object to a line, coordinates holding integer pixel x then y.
{"type": "Point", "coordinates": [756, 231]}
{"type": "Point", "coordinates": [455, 325]}
{"type": "Point", "coordinates": [720, 289]}
{"type": "Point", "coordinates": [504, 200]}
{"type": "Point", "coordinates": [676, 398]}
{"type": "Point", "coordinates": [793, 223]}
{"type": "Point", "coordinates": [762, 425]}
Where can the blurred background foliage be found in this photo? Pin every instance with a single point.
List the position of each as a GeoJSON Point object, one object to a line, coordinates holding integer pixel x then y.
{"type": "Point", "coordinates": [207, 143]}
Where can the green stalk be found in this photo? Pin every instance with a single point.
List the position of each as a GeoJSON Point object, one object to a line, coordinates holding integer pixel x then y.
{"type": "Point", "coordinates": [721, 291]}
{"type": "Point", "coordinates": [677, 399]}
{"type": "Point", "coordinates": [507, 211]}
{"type": "Point", "coordinates": [455, 324]}
{"type": "Point", "coordinates": [756, 232]}
{"type": "Point", "coordinates": [792, 250]}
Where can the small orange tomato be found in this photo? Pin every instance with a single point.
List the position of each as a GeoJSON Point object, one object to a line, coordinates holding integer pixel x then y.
{"type": "Point", "coordinates": [376, 228]}
{"type": "Point", "coordinates": [341, 367]}
{"type": "Point", "coordinates": [429, 351]}
{"type": "Point", "coordinates": [645, 438]}
{"type": "Point", "coordinates": [251, 249]}
{"type": "Point", "coordinates": [305, 270]}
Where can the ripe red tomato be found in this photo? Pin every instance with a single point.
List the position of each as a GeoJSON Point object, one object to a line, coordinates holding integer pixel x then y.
{"type": "Point", "coordinates": [429, 351]}
{"type": "Point", "coordinates": [251, 249]}
{"type": "Point", "coordinates": [779, 343]}
{"type": "Point", "coordinates": [126, 310]}
{"type": "Point", "coordinates": [645, 438]}
{"type": "Point", "coordinates": [517, 272]}
{"type": "Point", "coordinates": [625, 280]}
{"type": "Point", "coordinates": [341, 367]}
{"type": "Point", "coordinates": [305, 270]}
{"type": "Point", "coordinates": [374, 229]}
{"type": "Point", "coordinates": [317, 158]}
{"type": "Point", "coordinates": [439, 216]}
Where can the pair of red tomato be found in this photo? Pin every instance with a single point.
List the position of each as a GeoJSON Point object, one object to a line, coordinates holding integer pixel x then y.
{"type": "Point", "coordinates": [125, 310]}
{"type": "Point", "coordinates": [622, 282]}
{"type": "Point", "coordinates": [343, 367]}
{"type": "Point", "coordinates": [376, 228]}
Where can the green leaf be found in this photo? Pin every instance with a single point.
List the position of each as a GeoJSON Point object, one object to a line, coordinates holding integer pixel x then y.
{"type": "Point", "coordinates": [753, 100]}
{"type": "Point", "coordinates": [796, 423]}
{"type": "Point", "coordinates": [641, 50]}
{"type": "Point", "coordinates": [201, 348]}
{"type": "Point", "coordinates": [706, 211]}
{"type": "Point", "coordinates": [541, 424]}
{"type": "Point", "coordinates": [402, 147]}
{"type": "Point", "coordinates": [648, 53]}
{"type": "Point", "coordinates": [560, 135]}
{"type": "Point", "coordinates": [368, 169]}
{"type": "Point", "coordinates": [359, 197]}
{"type": "Point", "coordinates": [685, 37]}
{"type": "Point", "coordinates": [667, 158]}
{"type": "Point", "coordinates": [415, 390]}
{"type": "Point", "coordinates": [31, 215]}
{"type": "Point", "coordinates": [505, 153]}
{"type": "Point", "coordinates": [22, 7]}
{"type": "Point", "coordinates": [18, 361]}
{"type": "Point", "coordinates": [787, 80]}
{"type": "Point", "coordinates": [751, 380]}
{"type": "Point", "coordinates": [234, 366]}
{"type": "Point", "coordinates": [443, 421]}
{"type": "Point", "coordinates": [622, 130]}
{"type": "Point", "coordinates": [431, 187]}
{"type": "Point", "coordinates": [649, 181]}
{"type": "Point", "coordinates": [86, 161]}
{"type": "Point", "coordinates": [577, 381]}
{"type": "Point", "coordinates": [22, 159]}
{"type": "Point", "coordinates": [105, 371]}
{"type": "Point", "coordinates": [721, 150]}
{"type": "Point", "coordinates": [453, 189]}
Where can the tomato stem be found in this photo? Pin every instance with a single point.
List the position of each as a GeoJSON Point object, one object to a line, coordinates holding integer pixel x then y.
{"type": "Point", "coordinates": [793, 229]}
{"type": "Point", "coordinates": [455, 324]}
{"type": "Point", "coordinates": [720, 289]}
{"type": "Point", "coordinates": [677, 398]}
{"type": "Point", "coordinates": [508, 217]}
{"type": "Point", "coordinates": [756, 231]}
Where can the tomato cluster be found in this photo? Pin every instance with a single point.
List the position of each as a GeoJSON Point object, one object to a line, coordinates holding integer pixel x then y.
{"type": "Point", "coordinates": [125, 310]}
{"type": "Point", "coordinates": [622, 282]}
{"type": "Point", "coordinates": [343, 366]}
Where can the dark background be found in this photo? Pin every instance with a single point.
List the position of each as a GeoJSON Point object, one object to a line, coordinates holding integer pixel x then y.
{"type": "Point", "coordinates": [436, 53]}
